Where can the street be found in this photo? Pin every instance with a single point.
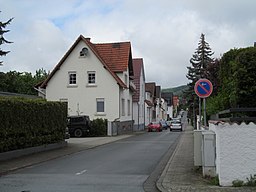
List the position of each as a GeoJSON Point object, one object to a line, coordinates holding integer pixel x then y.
{"type": "Point", "coordinates": [120, 166]}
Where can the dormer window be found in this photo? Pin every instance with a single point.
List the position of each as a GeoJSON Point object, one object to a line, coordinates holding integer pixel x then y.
{"type": "Point", "coordinates": [84, 52]}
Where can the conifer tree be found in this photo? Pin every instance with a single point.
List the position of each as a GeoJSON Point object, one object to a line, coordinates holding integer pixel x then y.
{"type": "Point", "coordinates": [198, 69]}
{"type": "Point", "coordinates": [3, 25]}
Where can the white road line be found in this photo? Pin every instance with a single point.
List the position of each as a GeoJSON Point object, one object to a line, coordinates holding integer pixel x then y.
{"type": "Point", "coordinates": [81, 172]}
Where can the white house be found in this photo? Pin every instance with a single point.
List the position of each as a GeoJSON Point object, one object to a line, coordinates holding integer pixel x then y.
{"type": "Point", "coordinates": [95, 80]}
{"type": "Point", "coordinates": [168, 97]}
{"type": "Point", "coordinates": [150, 112]}
{"type": "Point", "coordinates": [139, 95]}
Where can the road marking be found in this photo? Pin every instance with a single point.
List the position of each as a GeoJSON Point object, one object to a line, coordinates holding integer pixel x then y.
{"type": "Point", "coordinates": [81, 172]}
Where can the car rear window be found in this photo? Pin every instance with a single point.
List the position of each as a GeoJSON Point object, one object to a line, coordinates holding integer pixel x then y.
{"type": "Point", "coordinates": [175, 121]}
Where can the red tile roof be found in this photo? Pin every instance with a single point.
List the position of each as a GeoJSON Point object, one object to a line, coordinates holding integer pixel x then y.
{"type": "Point", "coordinates": [116, 57]}
{"type": "Point", "coordinates": [150, 87]}
{"type": "Point", "coordinates": [137, 68]}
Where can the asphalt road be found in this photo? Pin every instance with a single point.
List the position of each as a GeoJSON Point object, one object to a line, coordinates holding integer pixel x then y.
{"type": "Point", "coordinates": [124, 165]}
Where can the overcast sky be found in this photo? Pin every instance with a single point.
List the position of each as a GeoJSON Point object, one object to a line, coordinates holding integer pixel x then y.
{"type": "Point", "coordinates": [165, 33]}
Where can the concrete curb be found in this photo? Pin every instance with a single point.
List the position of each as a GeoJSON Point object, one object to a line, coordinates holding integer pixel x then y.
{"type": "Point", "coordinates": [27, 151]}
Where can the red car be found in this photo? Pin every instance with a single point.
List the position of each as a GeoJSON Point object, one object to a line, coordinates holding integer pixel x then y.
{"type": "Point", "coordinates": [154, 126]}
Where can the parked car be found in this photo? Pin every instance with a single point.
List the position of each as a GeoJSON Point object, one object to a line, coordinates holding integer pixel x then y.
{"type": "Point", "coordinates": [169, 123]}
{"type": "Point", "coordinates": [176, 124]}
{"type": "Point", "coordinates": [78, 126]}
{"type": "Point", "coordinates": [154, 126]}
{"type": "Point", "coordinates": [164, 124]}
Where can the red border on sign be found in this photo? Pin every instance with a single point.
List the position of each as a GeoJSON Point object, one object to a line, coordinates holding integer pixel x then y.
{"type": "Point", "coordinates": [198, 84]}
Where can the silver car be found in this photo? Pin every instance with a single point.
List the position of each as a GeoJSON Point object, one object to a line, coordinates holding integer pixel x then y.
{"type": "Point", "coordinates": [176, 124]}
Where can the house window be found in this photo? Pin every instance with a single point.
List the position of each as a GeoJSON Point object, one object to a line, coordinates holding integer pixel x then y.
{"type": "Point", "coordinates": [72, 78]}
{"type": "Point", "coordinates": [129, 107]}
{"type": "Point", "coordinates": [100, 105]}
{"type": "Point", "coordinates": [91, 77]}
{"type": "Point", "coordinates": [123, 107]}
{"type": "Point", "coordinates": [83, 52]}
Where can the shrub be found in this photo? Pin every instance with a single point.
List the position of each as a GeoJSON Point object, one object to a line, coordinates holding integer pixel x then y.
{"type": "Point", "coordinates": [28, 123]}
{"type": "Point", "coordinates": [237, 183]}
{"type": "Point", "coordinates": [99, 127]}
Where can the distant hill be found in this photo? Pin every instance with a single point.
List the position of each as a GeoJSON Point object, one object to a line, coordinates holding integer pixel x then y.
{"type": "Point", "coordinates": [176, 90]}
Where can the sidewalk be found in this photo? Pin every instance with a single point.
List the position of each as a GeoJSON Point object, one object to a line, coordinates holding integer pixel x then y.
{"type": "Point", "coordinates": [180, 175]}
{"type": "Point", "coordinates": [74, 145]}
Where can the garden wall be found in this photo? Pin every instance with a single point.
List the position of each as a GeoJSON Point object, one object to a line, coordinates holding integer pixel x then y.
{"type": "Point", "coordinates": [235, 151]}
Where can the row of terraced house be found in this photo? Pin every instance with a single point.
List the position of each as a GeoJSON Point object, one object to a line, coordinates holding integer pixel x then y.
{"type": "Point", "coordinates": [102, 80]}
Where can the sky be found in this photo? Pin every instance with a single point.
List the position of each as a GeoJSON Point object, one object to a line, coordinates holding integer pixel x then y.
{"type": "Point", "coordinates": [165, 33]}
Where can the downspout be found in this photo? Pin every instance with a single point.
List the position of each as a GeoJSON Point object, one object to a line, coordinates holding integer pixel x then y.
{"type": "Point", "coordinates": [119, 110]}
{"type": "Point", "coordinates": [132, 116]}
{"type": "Point", "coordinates": [138, 115]}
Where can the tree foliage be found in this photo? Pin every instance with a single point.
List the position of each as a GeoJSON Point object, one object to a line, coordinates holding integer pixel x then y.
{"type": "Point", "coordinates": [3, 25]}
{"type": "Point", "coordinates": [21, 82]}
{"type": "Point", "coordinates": [236, 78]}
{"type": "Point", "coordinates": [201, 59]}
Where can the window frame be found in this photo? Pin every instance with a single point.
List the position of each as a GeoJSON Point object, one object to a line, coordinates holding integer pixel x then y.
{"type": "Point", "coordinates": [98, 101]}
{"type": "Point", "coordinates": [89, 73]}
{"type": "Point", "coordinates": [72, 79]}
{"type": "Point", "coordinates": [128, 107]}
{"type": "Point", "coordinates": [123, 107]}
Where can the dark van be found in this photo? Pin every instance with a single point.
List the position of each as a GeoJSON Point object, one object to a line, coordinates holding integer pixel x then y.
{"type": "Point", "coordinates": [79, 126]}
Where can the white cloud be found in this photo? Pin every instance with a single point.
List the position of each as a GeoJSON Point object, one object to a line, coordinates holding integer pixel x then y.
{"type": "Point", "coordinates": [164, 33]}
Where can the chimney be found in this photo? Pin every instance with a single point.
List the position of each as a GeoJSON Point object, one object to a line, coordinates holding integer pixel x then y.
{"type": "Point", "coordinates": [88, 39]}
{"type": "Point", "coordinates": [254, 44]}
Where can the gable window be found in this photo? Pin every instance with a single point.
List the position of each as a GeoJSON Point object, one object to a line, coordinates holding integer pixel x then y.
{"type": "Point", "coordinates": [72, 78]}
{"type": "Point", "coordinates": [123, 107]}
{"type": "Point", "coordinates": [91, 77]}
{"type": "Point", "coordinates": [100, 105]}
{"type": "Point", "coordinates": [83, 52]}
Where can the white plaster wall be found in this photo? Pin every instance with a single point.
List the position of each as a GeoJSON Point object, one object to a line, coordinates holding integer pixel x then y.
{"type": "Point", "coordinates": [82, 98]}
{"type": "Point", "coordinates": [125, 94]}
{"type": "Point", "coordinates": [235, 151]}
{"type": "Point", "coordinates": [148, 110]}
{"type": "Point", "coordinates": [139, 107]}
{"type": "Point", "coordinates": [170, 111]}
{"type": "Point", "coordinates": [164, 112]}
{"type": "Point", "coordinates": [135, 113]}
{"type": "Point", "coordinates": [158, 110]}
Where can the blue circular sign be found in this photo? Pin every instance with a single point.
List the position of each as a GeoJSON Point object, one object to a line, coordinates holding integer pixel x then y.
{"type": "Point", "coordinates": [203, 88]}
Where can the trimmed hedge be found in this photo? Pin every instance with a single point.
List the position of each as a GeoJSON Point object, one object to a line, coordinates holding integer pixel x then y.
{"type": "Point", "coordinates": [99, 127]}
{"type": "Point", "coordinates": [29, 123]}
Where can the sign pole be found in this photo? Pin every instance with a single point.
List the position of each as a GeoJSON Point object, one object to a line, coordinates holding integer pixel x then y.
{"type": "Point", "coordinates": [203, 88]}
{"type": "Point", "coordinates": [204, 113]}
{"type": "Point", "coordinates": [200, 111]}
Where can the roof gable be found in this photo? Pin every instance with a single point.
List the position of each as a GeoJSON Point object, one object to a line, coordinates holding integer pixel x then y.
{"type": "Point", "coordinates": [137, 68]}
{"type": "Point", "coordinates": [116, 57]}
{"type": "Point", "coordinates": [150, 87]}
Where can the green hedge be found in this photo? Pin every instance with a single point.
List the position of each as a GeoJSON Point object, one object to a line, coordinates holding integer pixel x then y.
{"type": "Point", "coordinates": [99, 127]}
{"type": "Point", "coordinates": [28, 123]}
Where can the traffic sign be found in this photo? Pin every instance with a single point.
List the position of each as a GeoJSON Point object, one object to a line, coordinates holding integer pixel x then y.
{"type": "Point", "coordinates": [203, 88]}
